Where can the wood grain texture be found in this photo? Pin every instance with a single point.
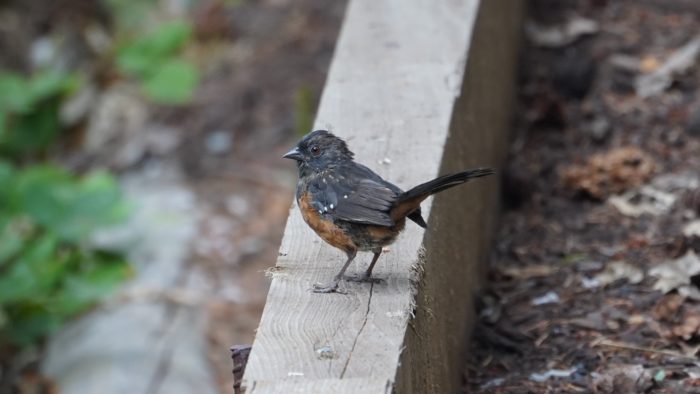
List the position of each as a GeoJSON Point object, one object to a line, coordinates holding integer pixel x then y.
{"type": "Point", "coordinates": [322, 386]}
{"type": "Point", "coordinates": [393, 92]}
{"type": "Point", "coordinates": [462, 223]}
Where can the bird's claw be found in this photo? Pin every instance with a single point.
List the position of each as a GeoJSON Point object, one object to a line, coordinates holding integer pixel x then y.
{"type": "Point", "coordinates": [325, 289]}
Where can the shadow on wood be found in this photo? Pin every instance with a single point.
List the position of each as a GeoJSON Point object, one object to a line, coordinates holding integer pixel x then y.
{"type": "Point", "coordinates": [427, 85]}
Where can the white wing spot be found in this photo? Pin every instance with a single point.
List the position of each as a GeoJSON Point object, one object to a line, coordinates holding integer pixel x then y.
{"type": "Point", "coordinates": [345, 196]}
{"type": "Point", "coordinates": [331, 206]}
{"type": "Point", "coordinates": [320, 212]}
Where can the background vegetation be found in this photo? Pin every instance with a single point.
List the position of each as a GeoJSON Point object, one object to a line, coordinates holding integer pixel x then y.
{"type": "Point", "coordinates": [49, 272]}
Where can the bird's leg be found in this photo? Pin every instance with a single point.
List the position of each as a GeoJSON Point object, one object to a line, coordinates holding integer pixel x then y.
{"type": "Point", "coordinates": [367, 276]}
{"type": "Point", "coordinates": [333, 286]}
{"type": "Point", "coordinates": [377, 252]}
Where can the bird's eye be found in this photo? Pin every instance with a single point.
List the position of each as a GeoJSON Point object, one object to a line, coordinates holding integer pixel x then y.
{"type": "Point", "coordinates": [315, 150]}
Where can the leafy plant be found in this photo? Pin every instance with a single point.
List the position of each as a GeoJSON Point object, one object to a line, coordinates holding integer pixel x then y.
{"type": "Point", "coordinates": [47, 274]}
{"type": "Point", "coordinates": [153, 59]}
{"type": "Point", "coordinates": [304, 110]}
{"type": "Point", "coordinates": [29, 117]}
{"type": "Point", "coordinates": [130, 14]}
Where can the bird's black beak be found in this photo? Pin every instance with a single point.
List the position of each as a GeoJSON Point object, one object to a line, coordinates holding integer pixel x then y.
{"type": "Point", "coordinates": [293, 154]}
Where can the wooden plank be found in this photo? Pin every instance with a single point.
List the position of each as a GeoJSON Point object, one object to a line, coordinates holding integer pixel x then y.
{"type": "Point", "coordinates": [462, 223]}
{"type": "Point", "coordinates": [322, 386]}
{"type": "Point", "coordinates": [393, 93]}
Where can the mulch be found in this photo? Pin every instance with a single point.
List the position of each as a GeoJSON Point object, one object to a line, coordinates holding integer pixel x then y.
{"type": "Point", "coordinates": [594, 275]}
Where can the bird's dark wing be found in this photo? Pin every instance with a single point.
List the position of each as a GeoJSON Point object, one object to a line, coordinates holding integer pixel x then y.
{"type": "Point", "coordinates": [366, 202]}
{"type": "Point", "coordinates": [353, 193]}
{"type": "Point", "coordinates": [369, 174]}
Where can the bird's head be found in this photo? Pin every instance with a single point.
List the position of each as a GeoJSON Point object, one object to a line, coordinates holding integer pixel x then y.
{"type": "Point", "coordinates": [318, 151]}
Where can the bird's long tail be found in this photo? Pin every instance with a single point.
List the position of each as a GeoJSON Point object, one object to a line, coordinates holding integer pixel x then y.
{"type": "Point", "coordinates": [410, 200]}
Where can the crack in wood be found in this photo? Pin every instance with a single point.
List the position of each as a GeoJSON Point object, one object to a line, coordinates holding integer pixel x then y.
{"type": "Point", "coordinates": [330, 341]}
{"type": "Point", "coordinates": [359, 332]}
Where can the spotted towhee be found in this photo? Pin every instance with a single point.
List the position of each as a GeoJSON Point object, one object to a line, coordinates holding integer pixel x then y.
{"type": "Point", "coordinates": [350, 206]}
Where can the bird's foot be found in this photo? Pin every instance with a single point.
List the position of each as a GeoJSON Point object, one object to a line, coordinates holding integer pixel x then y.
{"type": "Point", "coordinates": [330, 288]}
{"type": "Point", "coordinates": [362, 278]}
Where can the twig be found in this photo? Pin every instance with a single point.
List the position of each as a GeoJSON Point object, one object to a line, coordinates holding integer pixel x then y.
{"type": "Point", "coordinates": [629, 346]}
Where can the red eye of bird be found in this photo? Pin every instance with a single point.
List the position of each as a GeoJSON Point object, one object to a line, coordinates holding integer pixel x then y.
{"type": "Point", "coordinates": [315, 150]}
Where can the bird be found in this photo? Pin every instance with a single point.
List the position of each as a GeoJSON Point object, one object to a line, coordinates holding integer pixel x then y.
{"type": "Point", "coordinates": [351, 207]}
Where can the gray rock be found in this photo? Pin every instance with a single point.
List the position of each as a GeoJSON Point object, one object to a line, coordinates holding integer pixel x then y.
{"type": "Point", "coordinates": [137, 343]}
{"type": "Point", "coordinates": [218, 142]}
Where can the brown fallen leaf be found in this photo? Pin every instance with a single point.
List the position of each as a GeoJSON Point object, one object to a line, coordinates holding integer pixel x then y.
{"type": "Point", "coordinates": [34, 382]}
{"type": "Point", "coordinates": [592, 321]}
{"type": "Point", "coordinates": [690, 327]}
{"type": "Point", "coordinates": [649, 64]}
{"type": "Point", "coordinates": [609, 173]}
{"type": "Point", "coordinates": [668, 306]}
{"type": "Point", "coordinates": [622, 378]}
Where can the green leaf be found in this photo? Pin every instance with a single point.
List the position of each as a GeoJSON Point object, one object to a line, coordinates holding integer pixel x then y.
{"type": "Point", "coordinates": [172, 83]}
{"type": "Point", "coordinates": [46, 275]}
{"type": "Point", "coordinates": [33, 132]}
{"type": "Point", "coordinates": [70, 207]}
{"type": "Point", "coordinates": [83, 290]}
{"type": "Point", "coordinates": [14, 93]}
{"type": "Point", "coordinates": [11, 240]}
{"type": "Point", "coordinates": [42, 193]}
{"type": "Point", "coordinates": [304, 110]}
{"type": "Point", "coordinates": [7, 177]}
{"type": "Point", "coordinates": [47, 84]}
{"type": "Point", "coordinates": [19, 94]}
{"type": "Point", "coordinates": [4, 124]}
{"type": "Point", "coordinates": [143, 56]}
{"type": "Point", "coordinates": [3, 318]}
{"type": "Point", "coordinates": [23, 278]}
{"type": "Point", "coordinates": [130, 14]}
{"type": "Point", "coordinates": [47, 286]}
{"type": "Point", "coordinates": [29, 322]}
{"type": "Point", "coordinates": [29, 110]}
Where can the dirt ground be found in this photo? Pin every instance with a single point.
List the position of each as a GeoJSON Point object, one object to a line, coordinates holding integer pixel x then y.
{"type": "Point", "coordinates": [593, 286]}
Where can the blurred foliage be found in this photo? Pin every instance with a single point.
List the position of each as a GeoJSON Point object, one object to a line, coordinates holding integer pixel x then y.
{"type": "Point", "coordinates": [29, 110]}
{"type": "Point", "coordinates": [304, 110]}
{"type": "Point", "coordinates": [130, 15]}
{"type": "Point", "coordinates": [47, 274]}
{"type": "Point", "coordinates": [154, 60]}
{"type": "Point", "coordinates": [48, 271]}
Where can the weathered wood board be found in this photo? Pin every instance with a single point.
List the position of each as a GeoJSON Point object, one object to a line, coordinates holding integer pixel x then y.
{"type": "Point", "coordinates": [417, 88]}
